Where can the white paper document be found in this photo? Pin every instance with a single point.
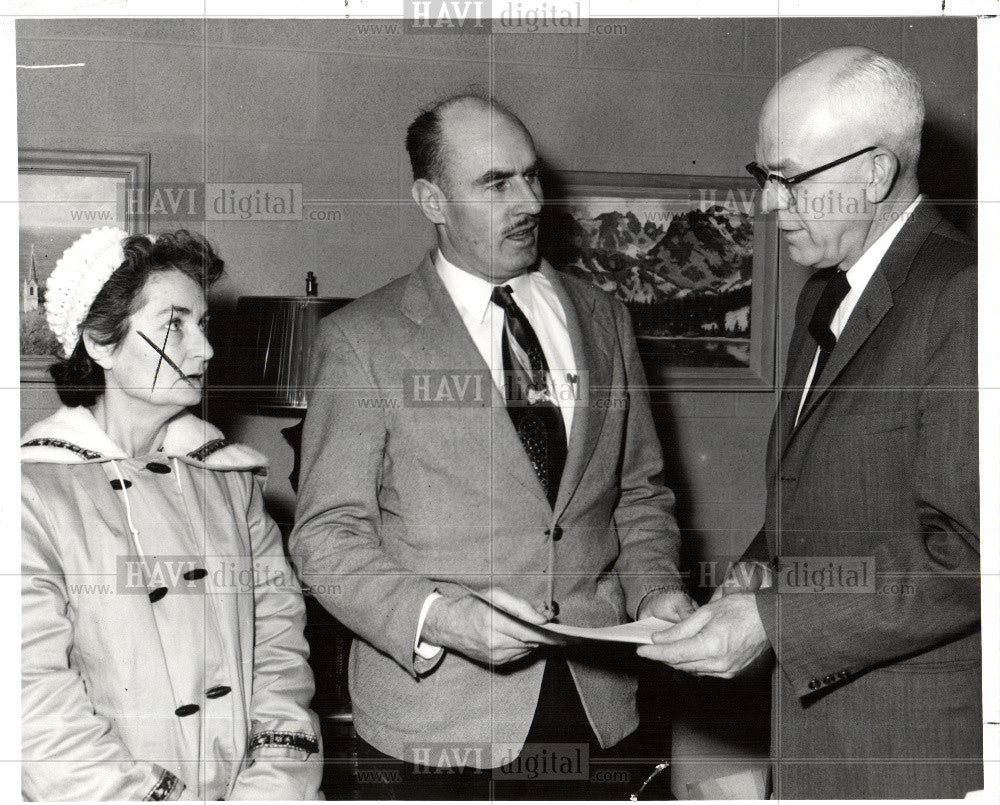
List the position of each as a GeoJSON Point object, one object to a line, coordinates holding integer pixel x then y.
{"type": "Point", "coordinates": [638, 632]}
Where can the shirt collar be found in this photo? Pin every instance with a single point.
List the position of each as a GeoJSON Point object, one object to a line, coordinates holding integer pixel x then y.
{"type": "Point", "coordinates": [861, 272]}
{"type": "Point", "coordinates": [472, 293]}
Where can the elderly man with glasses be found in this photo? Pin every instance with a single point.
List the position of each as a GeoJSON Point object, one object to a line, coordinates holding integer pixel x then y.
{"type": "Point", "coordinates": [864, 580]}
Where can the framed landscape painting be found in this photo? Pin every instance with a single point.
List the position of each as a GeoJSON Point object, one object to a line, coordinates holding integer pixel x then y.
{"type": "Point", "coordinates": [61, 195]}
{"type": "Point", "coordinates": [691, 259]}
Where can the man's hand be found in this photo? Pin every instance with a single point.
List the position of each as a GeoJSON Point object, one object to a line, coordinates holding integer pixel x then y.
{"type": "Point", "coordinates": [472, 627]}
{"type": "Point", "coordinates": [720, 639]}
{"type": "Point", "coordinates": [667, 606]}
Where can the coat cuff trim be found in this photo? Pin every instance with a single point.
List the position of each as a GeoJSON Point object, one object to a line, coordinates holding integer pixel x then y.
{"type": "Point", "coordinates": [303, 741]}
{"type": "Point", "coordinates": [166, 785]}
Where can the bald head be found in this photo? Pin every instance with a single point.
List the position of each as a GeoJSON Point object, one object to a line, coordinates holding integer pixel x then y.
{"type": "Point", "coordinates": [427, 139]}
{"type": "Point", "coordinates": [841, 100]}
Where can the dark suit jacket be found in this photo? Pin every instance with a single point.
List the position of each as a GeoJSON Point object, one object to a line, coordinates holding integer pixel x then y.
{"type": "Point", "coordinates": [882, 467]}
{"type": "Point", "coordinates": [399, 497]}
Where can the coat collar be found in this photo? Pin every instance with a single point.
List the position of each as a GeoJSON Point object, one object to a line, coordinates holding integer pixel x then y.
{"type": "Point", "coordinates": [73, 436]}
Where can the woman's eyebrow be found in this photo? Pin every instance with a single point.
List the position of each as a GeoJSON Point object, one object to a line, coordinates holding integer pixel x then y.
{"type": "Point", "coordinates": [174, 309]}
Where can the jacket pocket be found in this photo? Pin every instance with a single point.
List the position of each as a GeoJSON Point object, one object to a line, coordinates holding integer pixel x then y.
{"type": "Point", "coordinates": [879, 421]}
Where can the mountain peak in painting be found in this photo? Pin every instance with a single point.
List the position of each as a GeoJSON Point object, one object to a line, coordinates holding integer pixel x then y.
{"type": "Point", "coordinates": [675, 254]}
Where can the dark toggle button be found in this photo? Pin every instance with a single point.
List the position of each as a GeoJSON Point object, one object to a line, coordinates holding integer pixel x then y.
{"type": "Point", "coordinates": [217, 692]}
{"type": "Point", "coordinates": [186, 710]}
{"type": "Point", "coordinates": [157, 594]}
{"type": "Point", "coordinates": [814, 684]}
{"type": "Point", "coordinates": [117, 484]}
{"type": "Point", "coordinates": [158, 468]}
{"type": "Point", "coordinates": [557, 533]}
{"type": "Point", "coordinates": [829, 680]}
{"type": "Point", "coordinates": [555, 609]}
{"type": "Point", "coordinates": [197, 573]}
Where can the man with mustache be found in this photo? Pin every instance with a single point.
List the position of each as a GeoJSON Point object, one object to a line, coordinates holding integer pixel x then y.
{"type": "Point", "coordinates": [482, 424]}
{"type": "Point", "coordinates": [871, 532]}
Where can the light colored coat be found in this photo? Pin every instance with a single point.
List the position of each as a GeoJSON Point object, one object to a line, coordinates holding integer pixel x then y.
{"type": "Point", "coordinates": [202, 693]}
{"type": "Point", "coordinates": [400, 498]}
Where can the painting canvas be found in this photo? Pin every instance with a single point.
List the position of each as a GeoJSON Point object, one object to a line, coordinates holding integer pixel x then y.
{"type": "Point", "coordinates": [689, 257]}
{"type": "Point", "coordinates": [61, 195]}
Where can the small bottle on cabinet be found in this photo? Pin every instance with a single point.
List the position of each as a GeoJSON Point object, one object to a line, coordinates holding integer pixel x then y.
{"type": "Point", "coordinates": [312, 289]}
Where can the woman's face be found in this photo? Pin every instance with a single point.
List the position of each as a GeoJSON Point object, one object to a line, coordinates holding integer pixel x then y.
{"type": "Point", "coordinates": [173, 315]}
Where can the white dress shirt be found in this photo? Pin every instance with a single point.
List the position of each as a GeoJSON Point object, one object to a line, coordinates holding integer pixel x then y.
{"type": "Point", "coordinates": [535, 296]}
{"type": "Point", "coordinates": [483, 319]}
{"type": "Point", "coordinates": [858, 277]}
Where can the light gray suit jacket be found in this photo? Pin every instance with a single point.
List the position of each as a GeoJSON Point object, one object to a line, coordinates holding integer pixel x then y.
{"type": "Point", "coordinates": [401, 496]}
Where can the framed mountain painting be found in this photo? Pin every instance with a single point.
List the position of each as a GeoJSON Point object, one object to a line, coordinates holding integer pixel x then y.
{"type": "Point", "coordinates": [691, 259]}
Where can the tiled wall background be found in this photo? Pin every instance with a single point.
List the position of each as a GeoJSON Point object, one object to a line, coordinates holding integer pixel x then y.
{"type": "Point", "coordinates": [326, 103]}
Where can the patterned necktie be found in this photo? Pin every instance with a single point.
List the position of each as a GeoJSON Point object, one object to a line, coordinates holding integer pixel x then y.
{"type": "Point", "coordinates": [833, 294]}
{"type": "Point", "coordinates": [536, 417]}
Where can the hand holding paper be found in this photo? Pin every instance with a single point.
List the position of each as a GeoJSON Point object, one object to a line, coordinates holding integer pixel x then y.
{"type": "Point", "coordinates": [480, 627]}
{"type": "Point", "coordinates": [720, 639]}
{"type": "Point", "coordinates": [667, 605]}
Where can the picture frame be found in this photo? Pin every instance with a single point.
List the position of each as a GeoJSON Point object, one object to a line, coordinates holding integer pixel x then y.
{"type": "Point", "coordinates": [690, 256]}
{"type": "Point", "coordinates": [61, 195]}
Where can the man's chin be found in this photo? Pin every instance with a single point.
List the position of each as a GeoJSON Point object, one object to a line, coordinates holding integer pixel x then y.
{"type": "Point", "coordinates": [803, 257]}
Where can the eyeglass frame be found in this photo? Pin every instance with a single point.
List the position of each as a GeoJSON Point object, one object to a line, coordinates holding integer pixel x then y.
{"type": "Point", "coordinates": [757, 171]}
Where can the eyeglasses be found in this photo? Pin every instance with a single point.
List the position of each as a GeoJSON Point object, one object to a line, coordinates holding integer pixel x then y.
{"type": "Point", "coordinates": [761, 174]}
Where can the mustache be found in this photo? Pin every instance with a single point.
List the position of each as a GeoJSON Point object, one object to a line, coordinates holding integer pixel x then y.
{"type": "Point", "coordinates": [524, 223]}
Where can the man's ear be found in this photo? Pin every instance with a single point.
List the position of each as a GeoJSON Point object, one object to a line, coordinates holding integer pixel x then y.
{"type": "Point", "coordinates": [885, 168]}
{"type": "Point", "coordinates": [430, 198]}
{"type": "Point", "coordinates": [102, 354]}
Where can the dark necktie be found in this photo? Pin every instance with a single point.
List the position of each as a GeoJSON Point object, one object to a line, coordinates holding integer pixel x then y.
{"type": "Point", "coordinates": [833, 294]}
{"type": "Point", "coordinates": [536, 417]}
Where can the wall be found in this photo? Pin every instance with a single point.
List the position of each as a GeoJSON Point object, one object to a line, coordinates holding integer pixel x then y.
{"type": "Point", "coordinates": [326, 104]}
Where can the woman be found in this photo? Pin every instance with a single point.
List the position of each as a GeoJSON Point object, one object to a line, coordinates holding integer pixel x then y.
{"type": "Point", "coordinates": [162, 646]}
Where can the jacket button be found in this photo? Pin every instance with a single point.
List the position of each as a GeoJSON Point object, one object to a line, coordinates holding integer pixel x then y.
{"type": "Point", "coordinates": [158, 468]}
{"type": "Point", "coordinates": [186, 710]}
{"type": "Point", "coordinates": [217, 692]}
{"type": "Point", "coordinates": [117, 484]}
{"type": "Point", "coordinates": [815, 684]}
{"type": "Point", "coordinates": [557, 533]}
{"type": "Point", "coordinates": [157, 594]}
{"type": "Point", "coordinates": [829, 680]}
{"type": "Point", "coordinates": [194, 575]}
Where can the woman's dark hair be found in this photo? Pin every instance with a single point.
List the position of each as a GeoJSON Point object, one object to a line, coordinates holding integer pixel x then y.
{"type": "Point", "coordinates": [79, 379]}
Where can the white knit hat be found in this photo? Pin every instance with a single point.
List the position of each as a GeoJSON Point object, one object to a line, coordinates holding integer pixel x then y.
{"type": "Point", "coordinates": [78, 278]}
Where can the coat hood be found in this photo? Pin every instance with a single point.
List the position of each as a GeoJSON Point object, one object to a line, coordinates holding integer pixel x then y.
{"type": "Point", "coordinates": [72, 436]}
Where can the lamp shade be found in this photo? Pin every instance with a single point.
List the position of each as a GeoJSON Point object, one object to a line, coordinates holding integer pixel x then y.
{"type": "Point", "coordinates": [272, 347]}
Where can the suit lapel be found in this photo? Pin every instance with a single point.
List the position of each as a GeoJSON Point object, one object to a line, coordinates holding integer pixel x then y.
{"type": "Point", "coordinates": [593, 366]}
{"type": "Point", "coordinates": [875, 301]}
{"type": "Point", "coordinates": [443, 344]}
{"type": "Point", "coordinates": [800, 357]}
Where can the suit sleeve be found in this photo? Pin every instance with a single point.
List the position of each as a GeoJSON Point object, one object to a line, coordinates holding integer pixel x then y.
{"type": "Point", "coordinates": [285, 750]}
{"type": "Point", "coordinates": [337, 518]}
{"type": "Point", "coordinates": [68, 750]}
{"type": "Point", "coordinates": [935, 568]}
{"type": "Point", "coordinates": [644, 517]}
